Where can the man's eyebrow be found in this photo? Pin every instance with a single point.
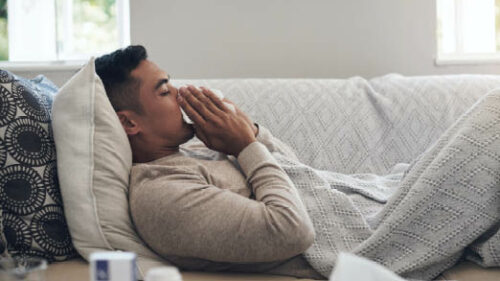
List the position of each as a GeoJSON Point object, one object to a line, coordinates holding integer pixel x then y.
{"type": "Point", "coordinates": [161, 82]}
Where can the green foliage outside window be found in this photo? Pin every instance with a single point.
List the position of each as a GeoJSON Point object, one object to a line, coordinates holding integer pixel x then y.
{"type": "Point", "coordinates": [94, 26]}
{"type": "Point", "coordinates": [4, 40]}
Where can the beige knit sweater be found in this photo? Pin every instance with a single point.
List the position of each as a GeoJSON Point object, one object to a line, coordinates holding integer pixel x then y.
{"type": "Point", "coordinates": [204, 210]}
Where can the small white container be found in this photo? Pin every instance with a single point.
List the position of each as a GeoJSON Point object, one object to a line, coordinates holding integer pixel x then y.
{"type": "Point", "coordinates": [164, 273]}
{"type": "Point", "coordinates": [113, 266]}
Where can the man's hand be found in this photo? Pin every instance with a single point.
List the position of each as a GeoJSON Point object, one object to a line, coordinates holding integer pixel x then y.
{"type": "Point", "coordinates": [215, 124]}
{"type": "Point", "coordinates": [239, 112]}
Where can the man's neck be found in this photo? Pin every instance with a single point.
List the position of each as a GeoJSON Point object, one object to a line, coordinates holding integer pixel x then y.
{"type": "Point", "coordinates": [142, 152]}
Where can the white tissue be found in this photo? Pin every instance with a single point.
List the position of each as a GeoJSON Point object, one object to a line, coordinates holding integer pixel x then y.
{"type": "Point", "coordinates": [351, 267]}
{"type": "Point", "coordinates": [220, 95]}
{"type": "Point", "coordinates": [163, 273]}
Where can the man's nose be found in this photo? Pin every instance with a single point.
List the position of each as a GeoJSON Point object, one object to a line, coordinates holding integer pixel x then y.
{"type": "Point", "coordinates": [176, 93]}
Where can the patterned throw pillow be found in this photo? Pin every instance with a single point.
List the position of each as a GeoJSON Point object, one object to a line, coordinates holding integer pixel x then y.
{"type": "Point", "coordinates": [30, 200]}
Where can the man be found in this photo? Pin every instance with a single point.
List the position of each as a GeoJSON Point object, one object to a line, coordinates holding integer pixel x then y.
{"type": "Point", "coordinates": [232, 202]}
{"type": "Point", "coordinates": [229, 208]}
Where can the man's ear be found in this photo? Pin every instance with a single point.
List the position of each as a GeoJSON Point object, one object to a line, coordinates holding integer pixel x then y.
{"type": "Point", "coordinates": [129, 122]}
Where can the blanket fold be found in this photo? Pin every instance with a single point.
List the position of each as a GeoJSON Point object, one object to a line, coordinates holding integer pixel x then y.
{"type": "Point", "coordinates": [421, 218]}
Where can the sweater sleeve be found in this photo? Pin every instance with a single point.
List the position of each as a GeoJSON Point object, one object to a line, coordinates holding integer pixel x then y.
{"type": "Point", "coordinates": [273, 144]}
{"type": "Point", "coordinates": [180, 214]}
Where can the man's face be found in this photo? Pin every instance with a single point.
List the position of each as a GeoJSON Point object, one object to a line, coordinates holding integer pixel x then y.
{"type": "Point", "coordinates": [161, 121]}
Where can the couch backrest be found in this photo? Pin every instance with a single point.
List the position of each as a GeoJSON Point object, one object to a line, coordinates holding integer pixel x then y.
{"type": "Point", "coordinates": [355, 125]}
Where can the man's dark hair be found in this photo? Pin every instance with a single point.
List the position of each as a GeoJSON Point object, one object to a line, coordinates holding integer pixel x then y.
{"type": "Point", "coordinates": [114, 70]}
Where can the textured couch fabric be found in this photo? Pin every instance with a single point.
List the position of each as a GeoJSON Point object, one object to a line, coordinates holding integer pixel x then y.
{"type": "Point", "coordinates": [354, 125]}
{"type": "Point", "coordinates": [381, 122]}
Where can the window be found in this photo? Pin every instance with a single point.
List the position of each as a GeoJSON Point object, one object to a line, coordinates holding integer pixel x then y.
{"type": "Point", "coordinates": [4, 49]}
{"type": "Point", "coordinates": [61, 30]}
{"type": "Point", "coordinates": [468, 31]}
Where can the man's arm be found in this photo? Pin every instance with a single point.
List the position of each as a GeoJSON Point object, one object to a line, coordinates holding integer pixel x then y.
{"type": "Point", "coordinates": [180, 214]}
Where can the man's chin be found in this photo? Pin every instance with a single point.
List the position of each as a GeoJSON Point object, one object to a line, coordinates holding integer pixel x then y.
{"type": "Point", "coordinates": [190, 133]}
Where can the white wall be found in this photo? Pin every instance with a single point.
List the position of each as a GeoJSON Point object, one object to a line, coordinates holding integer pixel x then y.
{"type": "Point", "coordinates": [289, 38]}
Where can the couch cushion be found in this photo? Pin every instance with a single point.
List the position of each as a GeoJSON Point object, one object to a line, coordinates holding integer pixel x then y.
{"type": "Point", "coordinates": [94, 162]}
{"type": "Point", "coordinates": [33, 219]}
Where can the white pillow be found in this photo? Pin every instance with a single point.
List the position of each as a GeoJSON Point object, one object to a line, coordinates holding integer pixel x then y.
{"type": "Point", "coordinates": [93, 162]}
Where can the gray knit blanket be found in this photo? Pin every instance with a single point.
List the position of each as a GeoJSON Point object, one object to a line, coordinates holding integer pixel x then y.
{"type": "Point", "coordinates": [422, 217]}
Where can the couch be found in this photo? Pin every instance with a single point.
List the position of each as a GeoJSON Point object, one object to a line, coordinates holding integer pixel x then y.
{"type": "Point", "coordinates": [328, 130]}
